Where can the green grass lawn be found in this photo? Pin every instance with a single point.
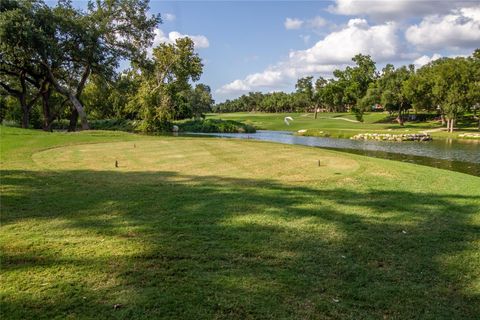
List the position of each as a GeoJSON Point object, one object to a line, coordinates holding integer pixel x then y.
{"type": "Point", "coordinates": [205, 228]}
{"type": "Point", "coordinates": [337, 124]}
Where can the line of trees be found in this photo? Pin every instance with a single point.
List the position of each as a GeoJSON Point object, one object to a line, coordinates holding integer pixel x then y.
{"type": "Point", "coordinates": [59, 62]}
{"type": "Point", "coordinates": [450, 86]}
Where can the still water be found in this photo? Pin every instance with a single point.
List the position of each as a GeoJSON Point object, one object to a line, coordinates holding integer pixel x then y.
{"type": "Point", "coordinates": [458, 155]}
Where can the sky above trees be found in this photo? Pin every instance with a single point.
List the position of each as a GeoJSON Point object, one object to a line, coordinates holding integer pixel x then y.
{"type": "Point", "coordinates": [267, 46]}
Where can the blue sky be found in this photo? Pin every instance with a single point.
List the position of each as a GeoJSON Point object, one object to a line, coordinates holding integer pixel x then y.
{"type": "Point", "coordinates": [266, 46]}
{"type": "Point", "coordinates": [244, 37]}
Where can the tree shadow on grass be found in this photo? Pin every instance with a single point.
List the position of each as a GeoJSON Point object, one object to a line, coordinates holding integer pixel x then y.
{"type": "Point", "coordinates": [163, 244]}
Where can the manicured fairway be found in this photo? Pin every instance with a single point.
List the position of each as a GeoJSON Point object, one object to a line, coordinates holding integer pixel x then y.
{"type": "Point", "coordinates": [340, 125]}
{"type": "Point", "coordinates": [204, 228]}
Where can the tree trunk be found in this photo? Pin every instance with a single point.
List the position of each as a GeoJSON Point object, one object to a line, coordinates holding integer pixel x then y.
{"type": "Point", "coordinates": [25, 117]}
{"type": "Point", "coordinates": [73, 120]}
{"type": "Point", "coordinates": [76, 104]}
{"type": "Point", "coordinates": [452, 124]}
{"type": "Point", "coordinates": [72, 96]}
{"type": "Point", "coordinates": [81, 112]}
{"type": "Point", "coordinates": [47, 114]}
{"type": "Point", "coordinates": [400, 118]}
{"type": "Point", "coordinates": [442, 117]}
{"type": "Point", "coordinates": [316, 111]}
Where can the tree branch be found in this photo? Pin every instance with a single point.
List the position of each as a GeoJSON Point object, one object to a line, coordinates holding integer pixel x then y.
{"type": "Point", "coordinates": [10, 89]}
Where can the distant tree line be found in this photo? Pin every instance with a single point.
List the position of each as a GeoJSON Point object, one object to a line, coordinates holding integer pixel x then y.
{"type": "Point", "coordinates": [60, 62]}
{"type": "Point", "coordinates": [450, 86]}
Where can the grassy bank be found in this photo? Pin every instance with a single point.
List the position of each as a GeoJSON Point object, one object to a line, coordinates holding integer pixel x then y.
{"type": "Point", "coordinates": [202, 228]}
{"type": "Point", "coordinates": [341, 125]}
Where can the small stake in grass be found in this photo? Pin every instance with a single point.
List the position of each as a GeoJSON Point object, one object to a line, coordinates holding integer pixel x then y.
{"type": "Point", "coordinates": [319, 163]}
{"type": "Point", "coordinates": [116, 164]}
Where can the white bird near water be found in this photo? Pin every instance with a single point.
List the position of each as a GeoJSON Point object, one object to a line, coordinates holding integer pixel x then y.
{"type": "Point", "coordinates": [287, 119]}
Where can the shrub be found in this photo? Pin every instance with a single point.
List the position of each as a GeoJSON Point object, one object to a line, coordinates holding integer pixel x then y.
{"type": "Point", "coordinates": [215, 126]}
{"type": "Point", "coordinates": [105, 124]}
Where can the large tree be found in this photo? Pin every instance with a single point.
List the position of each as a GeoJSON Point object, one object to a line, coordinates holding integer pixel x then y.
{"type": "Point", "coordinates": [354, 82]}
{"type": "Point", "coordinates": [474, 87]}
{"type": "Point", "coordinates": [391, 87]}
{"type": "Point", "coordinates": [447, 85]}
{"type": "Point", "coordinates": [19, 76]}
{"type": "Point", "coordinates": [165, 83]}
{"type": "Point", "coordinates": [71, 44]}
{"type": "Point", "coordinates": [451, 87]}
{"type": "Point", "coordinates": [201, 100]}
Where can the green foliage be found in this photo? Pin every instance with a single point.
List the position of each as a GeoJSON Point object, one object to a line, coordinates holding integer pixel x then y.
{"type": "Point", "coordinates": [165, 92]}
{"type": "Point", "coordinates": [104, 124]}
{"type": "Point", "coordinates": [305, 91]}
{"type": "Point", "coordinates": [215, 125]}
{"type": "Point", "coordinates": [110, 99]}
{"type": "Point", "coordinates": [338, 94]}
{"type": "Point", "coordinates": [358, 112]}
{"type": "Point", "coordinates": [201, 100]}
{"type": "Point", "coordinates": [9, 110]}
{"type": "Point", "coordinates": [354, 81]}
{"type": "Point", "coordinates": [344, 125]}
{"type": "Point", "coordinates": [268, 102]}
{"type": "Point", "coordinates": [61, 46]}
{"type": "Point", "coordinates": [391, 90]}
{"type": "Point", "coordinates": [62, 61]}
{"type": "Point", "coordinates": [451, 85]}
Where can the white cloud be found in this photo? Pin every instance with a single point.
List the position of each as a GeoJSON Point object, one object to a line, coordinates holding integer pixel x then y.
{"type": "Point", "coordinates": [334, 51]}
{"type": "Point", "coordinates": [169, 17]}
{"type": "Point", "coordinates": [270, 78]}
{"type": "Point", "coordinates": [200, 41]}
{"type": "Point", "coordinates": [459, 29]}
{"type": "Point", "coordinates": [423, 60]}
{"type": "Point", "coordinates": [160, 37]}
{"type": "Point", "coordinates": [394, 9]}
{"type": "Point", "coordinates": [316, 22]}
{"type": "Point", "coordinates": [379, 41]}
{"type": "Point", "coordinates": [293, 23]}
{"type": "Point", "coordinates": [305, 38]}
{"type": "Point", "coordinates": [234, 86]}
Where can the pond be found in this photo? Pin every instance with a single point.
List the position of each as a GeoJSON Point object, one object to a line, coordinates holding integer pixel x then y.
{"type": "Point", "coordinates": [458, 155]}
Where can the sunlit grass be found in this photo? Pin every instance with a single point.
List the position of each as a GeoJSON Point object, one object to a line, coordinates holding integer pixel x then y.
{"type": "Point", "coordinates": [202, 228]}
{"type": "Point", "coordinates": [336, 124]}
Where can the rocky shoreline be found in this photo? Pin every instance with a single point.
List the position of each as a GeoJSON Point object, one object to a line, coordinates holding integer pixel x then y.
{"type": "Point", "coordinates": [393, 137]}
{"type": "Point", "coordinates": [469, 135]}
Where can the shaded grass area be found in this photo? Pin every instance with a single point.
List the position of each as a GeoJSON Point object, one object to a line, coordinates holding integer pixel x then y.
{"type": "Point", "coordinates": [201, 228]}
{"type": "Point", "coordinates": [336, 125]}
